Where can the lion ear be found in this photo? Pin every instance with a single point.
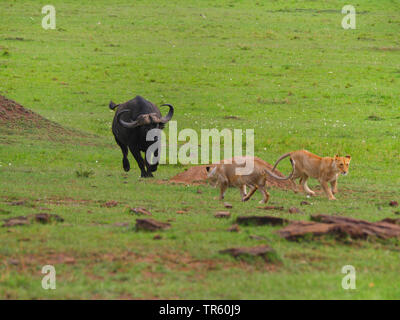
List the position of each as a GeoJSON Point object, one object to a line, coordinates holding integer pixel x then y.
{"type": "Point", "coordinates": [337, 156]}
{"type": "Point", "coordinates": [348, 157]}
{"type": "Point", "coordinates": [208, 169]}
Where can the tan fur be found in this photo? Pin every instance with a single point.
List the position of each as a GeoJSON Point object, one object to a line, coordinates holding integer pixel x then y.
{"type": "Point", "coordinates": [224, 175]}
{"type": "Point", "coordinates": [325, 169]}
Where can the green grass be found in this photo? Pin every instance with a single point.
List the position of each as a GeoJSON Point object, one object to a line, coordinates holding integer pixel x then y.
{"type": "Point", "coordinates": [293, 75]}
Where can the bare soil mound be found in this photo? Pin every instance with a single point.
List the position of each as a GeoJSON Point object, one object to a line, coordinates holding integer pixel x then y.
{"type": "Point", "coordinates": [198, 175]}
{"type": "Point", "coordinates": [13, 115]}
{"type": "Point", "coordinates": [10, 111]}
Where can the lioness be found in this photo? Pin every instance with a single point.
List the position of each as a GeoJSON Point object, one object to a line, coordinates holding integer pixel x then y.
{"type": "Point", "coordinates": [225, 174]}
{"type": "Point", "coordinates": [325, 170]}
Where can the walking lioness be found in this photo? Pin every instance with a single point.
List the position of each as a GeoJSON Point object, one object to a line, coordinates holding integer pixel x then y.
{"type": "Point", "coordinates": [226, 174]}
{"type": "Point", "coordinates": [326, 170]}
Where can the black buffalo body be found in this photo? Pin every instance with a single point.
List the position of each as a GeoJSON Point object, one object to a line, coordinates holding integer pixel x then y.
{"type": "Point", "coordinates": [132, 121]}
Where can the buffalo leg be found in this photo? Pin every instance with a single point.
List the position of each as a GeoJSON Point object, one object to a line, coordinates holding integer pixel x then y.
{"type": "Point", "coordinates": [138, 157]}
{"type": "Point", "coordinates": [125, 161]}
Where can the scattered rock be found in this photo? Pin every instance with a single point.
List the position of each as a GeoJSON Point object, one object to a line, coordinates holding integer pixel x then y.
{"type": "Point", "coordinates": [261, 220]}
{"type": "Point", "coordinates": [294, 210]}
{"type": "Point", "coordinates": [305, 203]}
{"type": "Point", "coordinates": [121, 224]}
{"type": "Point", "coordinates": [181, 212]}
{"type": "Point", "coordinates": [14, 262]}
{"type": "Point", "coordinates": [264, 251]}
{"type": "Point", "coordinates": [234, 228]}
{"type": "Point", "coordinates": [393, 204]}
{"type": "Point", "coordinates": [40, 217]}
{"type": "Point", "coordinates": [222, 214]}
{"type": "Point", "coordinates": [272, 208]}
{"type": "Point", "coordinates": [140, 211]}
{"type": "Point", "coordinates": [157, 237]}
{"type": "Point", "coordinates": [47, 217]}
{"type": "Point", "coordinates": [110, 204]}
{"type": "Point", "coordinates": [227, 205]}
{"type": "Point", "coordinates": [199, 191]}
{"type": "Point", "coordinates": [17, 203]}
{"type": "Point", "coordinates": [151, 225]}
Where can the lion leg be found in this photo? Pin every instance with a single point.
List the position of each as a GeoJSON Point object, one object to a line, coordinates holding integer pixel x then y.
{"type": "Point", "coordinates": [327, 190]}
{"type": "Point", "coordinates": [243, 191]}
{"type": "Point", "coordinates": [305, 186]}
{"type": "Point", "coordinates": [251, 192]}
{"type": "Point", "coordinates": [297, 186]}
{"type": "Point", "coordinates": [264, 193]}
{"type": "Point", "coordinates": [223, 187]}
{"type": "Point", "coordinates": [334, 186]}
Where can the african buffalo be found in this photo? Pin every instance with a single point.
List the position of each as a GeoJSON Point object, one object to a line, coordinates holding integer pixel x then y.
{"type": "Point", "coordinates": [132, 121]}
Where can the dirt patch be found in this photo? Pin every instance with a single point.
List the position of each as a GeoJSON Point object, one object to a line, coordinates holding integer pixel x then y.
{"type": "Point", "coordinates": [173, 260]}
{"type": "Point", "coordinates": [198, 175]}
{"type": "Point", "coordinates": [272, 208]}
{"type": "Point", "coordinates": [40, 218]}
{"type": "Point", "coordinates": [109, 204]}
{"type": "Point", "coordinates": [265, 252]}
{"type": "Point", "coordinates": [151, 225]}
{"type": "Point", "coordinates": [261, 220]}
{"type": "Point", "coordinates": [140, 210]}
{"type": "Point", "coordinates": [15, 116]}
{"type": "Point", "coordinates": [12, 112]}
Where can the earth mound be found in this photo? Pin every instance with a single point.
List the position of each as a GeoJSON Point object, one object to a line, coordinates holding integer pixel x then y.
{"type": "Point", "coordinates": [10, 111]}
{"type": "Point", "coordinates": [15, 116]}
{"type": "Point", "coordinates": [198, 175]}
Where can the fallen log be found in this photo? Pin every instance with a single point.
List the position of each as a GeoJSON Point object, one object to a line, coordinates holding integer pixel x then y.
{"type": "Point", "coordinates": [340, 227]}
{"type": "Point", "coordinates": [357, 228]}
{"type": "Point", "coordinates": [299, 229]}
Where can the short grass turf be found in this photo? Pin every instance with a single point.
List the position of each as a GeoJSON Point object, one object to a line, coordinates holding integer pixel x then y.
{"type": "Point", "coordinates": [286, 69]}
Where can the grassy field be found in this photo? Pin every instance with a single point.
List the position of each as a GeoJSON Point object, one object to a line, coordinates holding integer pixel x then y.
{"type": "Point", "coordinates": [287, 69]}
